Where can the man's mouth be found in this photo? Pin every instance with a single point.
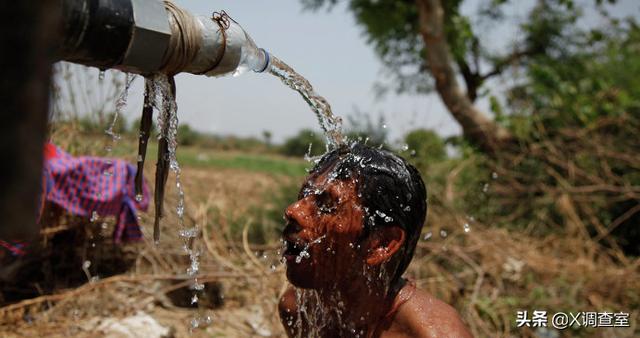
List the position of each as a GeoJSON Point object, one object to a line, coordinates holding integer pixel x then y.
{"type": "Point", "coordinates": [293, 248]}
{"type": "Point", "coordinates": [294, 245]}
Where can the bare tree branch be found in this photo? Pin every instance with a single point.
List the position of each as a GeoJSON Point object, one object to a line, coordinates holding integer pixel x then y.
{"type": "Point", "coordinates": [508, 60]}
{"type": "Point", "coordinates": [477, 128]}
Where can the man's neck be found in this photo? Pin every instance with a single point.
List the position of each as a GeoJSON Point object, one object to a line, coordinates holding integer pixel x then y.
{"type": "Point", "coordinates": [355, 308]}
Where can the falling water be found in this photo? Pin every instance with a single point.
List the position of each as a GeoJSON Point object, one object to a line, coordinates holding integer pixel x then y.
{"type": "Point", "coordinates": [330, 124]}
{"type": "Point", "coordinates": [168, 125]}
{"type": "Point", "coordinates": [121, 104]}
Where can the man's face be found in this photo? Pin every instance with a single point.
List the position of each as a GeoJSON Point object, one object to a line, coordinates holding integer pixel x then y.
{"type": "Point", "coordinates": [322, 232]}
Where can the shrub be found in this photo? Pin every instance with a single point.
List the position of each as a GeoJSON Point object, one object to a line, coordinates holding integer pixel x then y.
{"type": "Point", "coordinates": [305, 142]}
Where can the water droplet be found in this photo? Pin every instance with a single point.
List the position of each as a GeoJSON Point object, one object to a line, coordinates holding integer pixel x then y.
{"type": "Point", "coordinates": [104, 225]}
{"type": "Point", "coordinates": [467, 227]}
{"type": "Point", "coordinates": [485, 187]}
{"type": "Point", "coordinates": [494, 175]}
{"type": "Point", "coordinates": [405, 147]}
{"type": "Point", "coordinates": [443, 233]}
{"type": "Point", "coordinates": [139, 197]}
{"type": "Point", "coordinates": [189, 233]}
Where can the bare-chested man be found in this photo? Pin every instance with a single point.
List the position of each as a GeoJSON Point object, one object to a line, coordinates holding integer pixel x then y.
{"type": "Point", "coordinates": [349, 238]}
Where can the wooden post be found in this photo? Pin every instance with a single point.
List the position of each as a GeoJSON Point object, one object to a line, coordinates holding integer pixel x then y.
{"type": "Point", "coordinates": [28, 32]}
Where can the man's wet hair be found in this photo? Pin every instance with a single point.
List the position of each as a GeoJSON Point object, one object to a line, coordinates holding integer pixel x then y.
{"type": "Point", "coordinates": [391, 191]}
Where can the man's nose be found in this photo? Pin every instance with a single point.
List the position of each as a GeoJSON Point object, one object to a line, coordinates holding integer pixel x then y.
{"type": "Point", "coordinates": [299, 212]}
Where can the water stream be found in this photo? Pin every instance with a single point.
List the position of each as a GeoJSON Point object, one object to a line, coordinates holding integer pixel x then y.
{"type": "Point", "coordinates": [330, 124]}
{"type": "Point", "coordinates": [168, 125]}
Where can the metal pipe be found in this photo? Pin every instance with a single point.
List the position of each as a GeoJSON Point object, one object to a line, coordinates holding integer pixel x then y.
{"type": "Point", "coordinates": [135, 36]}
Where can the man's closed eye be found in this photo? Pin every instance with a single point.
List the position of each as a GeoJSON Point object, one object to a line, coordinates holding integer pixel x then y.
{"type": "Point", "coordinates": [326, 203]}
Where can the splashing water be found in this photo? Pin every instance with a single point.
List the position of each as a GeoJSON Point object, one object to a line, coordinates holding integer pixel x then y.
{"type": "Point", "coordinates": [427, 236]}
{"type": "Point", "coordinates": [330, 124]}
{"type": "Point", "coordinates": [304, 254]}
{"type": "Point", "coordinates": [121, 104]}
{"type": "Point", "coordinates": [168, 125]}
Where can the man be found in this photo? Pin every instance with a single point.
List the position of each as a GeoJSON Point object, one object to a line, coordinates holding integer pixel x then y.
{"type": "Point", "coordinates": [349, 238]}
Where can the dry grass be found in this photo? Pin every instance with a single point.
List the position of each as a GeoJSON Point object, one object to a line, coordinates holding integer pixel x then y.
{"type": "Point", "coordinates": [488, 274]}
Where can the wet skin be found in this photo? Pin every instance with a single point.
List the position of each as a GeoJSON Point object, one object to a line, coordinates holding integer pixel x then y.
{"type": "Point", "coordinates": [327, 223]}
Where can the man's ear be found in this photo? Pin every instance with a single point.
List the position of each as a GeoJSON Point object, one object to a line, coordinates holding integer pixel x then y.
{"type": "Point", "coordinates": [384, 243]}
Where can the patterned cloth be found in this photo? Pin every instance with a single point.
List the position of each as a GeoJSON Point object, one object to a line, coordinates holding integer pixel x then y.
{"type": "Point", "coordinates": [91, 187]}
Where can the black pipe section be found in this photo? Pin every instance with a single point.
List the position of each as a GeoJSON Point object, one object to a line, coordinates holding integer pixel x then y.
{"type": "Point", "coordinates": [96, 32]}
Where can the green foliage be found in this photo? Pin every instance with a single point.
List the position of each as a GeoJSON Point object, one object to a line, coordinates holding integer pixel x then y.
{"type": "Point", "coordinates": [187, 136]}
{"type": "Point", "coordinates": [392, 28]}
{"type": "Point", "coordinates": [425, 147]}
{"type": "Point", "coordinates": [598, 79]}
{"type": "Point", "coordinates": [305, 142]}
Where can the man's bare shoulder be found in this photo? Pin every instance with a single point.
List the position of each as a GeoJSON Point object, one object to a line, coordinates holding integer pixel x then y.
{"type": "Point", "coordinates": [287, 304]}
{"type": "Point", "coordinates": [426, 316]}
{"type": "Point", "coordinates": [288, 309]}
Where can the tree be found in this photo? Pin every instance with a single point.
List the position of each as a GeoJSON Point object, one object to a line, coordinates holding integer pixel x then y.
{"type": "Point", "coordinates": [267, 137]}
{"type": "Point", "coordinates": [430, 44]}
